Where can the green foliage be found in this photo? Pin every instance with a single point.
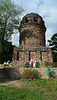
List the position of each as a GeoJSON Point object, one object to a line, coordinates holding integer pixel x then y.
{"type": "Point", "coordinates": [41, 89]}
{"type": "Point", "coordinates": [53, 44]}
{"type": "Point", "coordinates": [30, 74]}
{"type": "Point", "coordinates": [49, 84]}
{"type": "Point", "coordinates": [9, 18]}
{"type": "Point", "coordinates": [6, 51]}
{"type": "Point", "coordinates": [53, 41]}
{"type": "Point", "coordinates": [14, 93]}
{"type": "Point", "coordinates": [0, 48]}
{"type": "Point", "coordinates": [54, 56]}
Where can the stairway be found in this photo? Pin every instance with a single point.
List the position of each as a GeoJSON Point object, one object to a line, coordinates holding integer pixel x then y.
{"type": "Point", "coordinates": [3, 76]}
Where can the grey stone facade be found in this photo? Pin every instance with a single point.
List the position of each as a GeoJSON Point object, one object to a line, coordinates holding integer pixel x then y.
{"type": "Point", "coordinates": [32, 41]}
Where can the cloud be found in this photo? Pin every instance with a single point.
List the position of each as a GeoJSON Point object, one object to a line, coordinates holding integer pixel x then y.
{"type": "Point", "coordinates": [15, 39]}
{"type": "Point", "coordinates": [45, 8]}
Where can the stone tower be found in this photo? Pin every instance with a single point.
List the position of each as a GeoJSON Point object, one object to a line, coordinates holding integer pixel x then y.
{"type": "Point", "coordinates": [32, 31]}
{"type": "Point", "coordinates": [32, 41]}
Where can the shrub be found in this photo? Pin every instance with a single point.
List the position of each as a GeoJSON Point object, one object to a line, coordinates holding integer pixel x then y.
{"type": "Point", "coordinates": [30, 74]}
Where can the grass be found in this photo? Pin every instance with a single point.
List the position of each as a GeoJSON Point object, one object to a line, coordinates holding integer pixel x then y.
{"type": "Point", "coordinates": [24, 67]}
{"type": "Point", "coordinates": [11, 66]}
{"type": "Point", "coordinates": [41, 89]}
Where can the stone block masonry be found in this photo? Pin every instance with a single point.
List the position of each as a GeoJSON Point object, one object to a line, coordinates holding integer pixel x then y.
{"type": "Point", "coordinates": [16, 73]}
{"type": "Point", "coordinates": [32, 42]}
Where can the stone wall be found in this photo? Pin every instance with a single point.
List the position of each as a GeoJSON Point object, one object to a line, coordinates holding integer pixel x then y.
{"type": "Point", "coordinates": [15, 73]}
{"type": "Point", "coordinates": [40, 54]}
{"type": "Point", "coordinates": [32, 34]}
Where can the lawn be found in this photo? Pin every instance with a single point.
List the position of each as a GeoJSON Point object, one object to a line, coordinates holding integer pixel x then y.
{"type": "Point", "coordinates": [41, 89]}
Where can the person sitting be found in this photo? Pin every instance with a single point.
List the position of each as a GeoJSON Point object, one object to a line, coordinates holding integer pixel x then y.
{"type": "Point", "coordinates": [31, 63]}
{"type": "Point", "coordinates": [34, 63]}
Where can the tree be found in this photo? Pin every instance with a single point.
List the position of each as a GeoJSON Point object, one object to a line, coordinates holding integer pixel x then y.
{"type": "Point", "coordinates": [7, 51]}
{"type": "Point", "coordinates": [9, 20]}
{"type": "Point", "coordinates": [53, 44]}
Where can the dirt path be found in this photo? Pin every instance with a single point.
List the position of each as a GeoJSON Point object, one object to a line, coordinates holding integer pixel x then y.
{"type": "Point", "coordinates": [20, 84]}
{"type": "Point", "coordinates": [13, 83]}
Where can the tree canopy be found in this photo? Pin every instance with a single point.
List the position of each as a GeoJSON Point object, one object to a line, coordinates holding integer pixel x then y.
{"type": "Point", "coordinates": [9, 17]}
{"type": "Point", "coordinates": [53, 44]}
{"type": "Point", "coordinates": [9, 20]}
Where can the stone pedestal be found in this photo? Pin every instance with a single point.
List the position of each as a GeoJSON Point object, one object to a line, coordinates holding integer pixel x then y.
{"type": "Point", "coordinates": [40, 54]}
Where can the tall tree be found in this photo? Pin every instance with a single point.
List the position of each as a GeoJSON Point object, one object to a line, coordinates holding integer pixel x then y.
{"type": "Point", "coordinates": [9, 20]}
{"type": "Point", "coordinates": [53, 44]}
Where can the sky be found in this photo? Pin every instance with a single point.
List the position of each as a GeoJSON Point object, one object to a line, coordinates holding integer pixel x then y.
{"type": "Point", "coordinates": [47, 9]}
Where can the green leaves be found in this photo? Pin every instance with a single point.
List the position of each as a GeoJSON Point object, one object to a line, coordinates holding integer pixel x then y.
{"type": "Point", "coordinates": [9, 16]}
{"type": "Point", "coordinates": [15, 21]}
{"type": "Point", "coordinates": [29, 74]}
{"type": "Point", "coordinates": [53, 44]}
{"type": "Point", "coordinates": [9, 20]}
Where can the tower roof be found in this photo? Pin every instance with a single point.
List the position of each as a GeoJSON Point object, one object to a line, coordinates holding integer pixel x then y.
{"type": "Point", "coordinates": [32, 15]}
{"type": "Point", "coordinates": [32, 18]}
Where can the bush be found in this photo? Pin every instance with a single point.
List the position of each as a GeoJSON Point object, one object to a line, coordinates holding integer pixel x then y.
{"type": "Point", "coordinates": [30, 74]}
